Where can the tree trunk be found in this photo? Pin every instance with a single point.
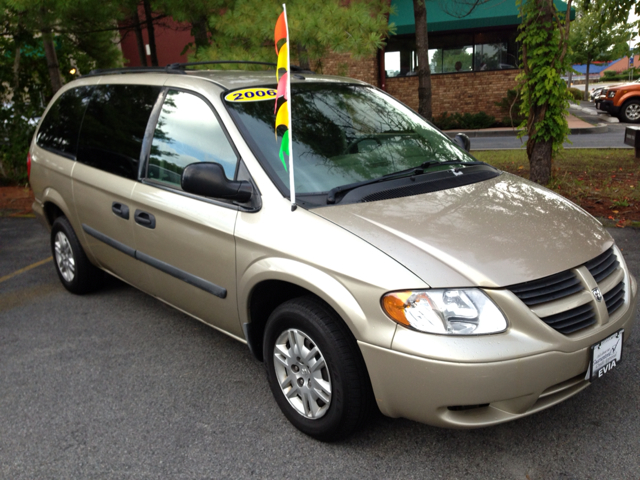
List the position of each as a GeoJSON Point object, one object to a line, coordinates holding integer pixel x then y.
{"type": "Point", "coordinates": [52, 60]}
{"type": "Point", "coordinates": [150, 32]}
{"type": "Point", "coordinates": [586, 82]}
{"type": "Point", "coordinates": [539, 154]}
{"type": "Point", "coordinates": [200, 30]}
{"type": "Point", "coordinates": [135, 21]}
{"type": "Point", "coordinates": [303, 56]}
{"type": "Point", "coordinates": [16, 69]}
{"type": "Point", "coordinates": [422, 49]}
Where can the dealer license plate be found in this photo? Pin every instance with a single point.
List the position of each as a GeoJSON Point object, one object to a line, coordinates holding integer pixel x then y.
{"type": "Point", "coordinates": [605, 356]}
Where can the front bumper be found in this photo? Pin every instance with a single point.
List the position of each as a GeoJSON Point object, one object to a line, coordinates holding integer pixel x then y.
{"type": "Point", "coordinates": [465, 394]}
{"type": "Point", "coordinates": [608, 106]}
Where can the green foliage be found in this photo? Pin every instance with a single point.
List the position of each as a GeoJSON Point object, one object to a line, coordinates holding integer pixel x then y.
{"type": "Point", "coordinates": [17, 124]}
{"type": "Point", "coordinates": [608, 74]}
{"type": "Point", "coordinates": [545, 96]}
{"type": "Point", "coordinates": [245, 30]}
{"type": "Point", "coordinates": [83, 32]}
{"type": "Point", "coordinates": [467, 121]}
{"type": "Point", "coordinates": [511, 106]}
{"type": "Point", "coordinates": [576, 93]}
{"type": "Point", "coordinates": [616, 12]}
{"type": "Point", "coordinates": [592, 38]}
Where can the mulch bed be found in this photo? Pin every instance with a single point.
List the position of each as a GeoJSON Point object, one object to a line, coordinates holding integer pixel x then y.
{"type": "Point", "coordinates": [16, 201]}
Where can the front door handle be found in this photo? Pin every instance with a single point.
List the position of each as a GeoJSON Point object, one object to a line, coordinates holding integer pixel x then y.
{"type": "Point", "coordinates": [145, 219]}
{"type": "Point", "coordinates": [120, 209]}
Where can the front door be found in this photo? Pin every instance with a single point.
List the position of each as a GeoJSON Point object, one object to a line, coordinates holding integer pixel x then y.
{"type": "Point", "coordinates": [188, 240]}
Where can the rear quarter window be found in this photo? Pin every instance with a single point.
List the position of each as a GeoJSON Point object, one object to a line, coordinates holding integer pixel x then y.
{"type": "Point", "coordinates": [60, 128]}
{"type": "Point", "coordinates": [114, 127]}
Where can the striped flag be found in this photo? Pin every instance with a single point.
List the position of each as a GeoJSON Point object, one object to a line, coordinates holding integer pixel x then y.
{"type": "Point", "coordinates": [283, 112]}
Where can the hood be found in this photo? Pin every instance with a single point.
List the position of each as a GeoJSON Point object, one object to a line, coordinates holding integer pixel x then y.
{"type": "Point", "coordinates": [494, 233]}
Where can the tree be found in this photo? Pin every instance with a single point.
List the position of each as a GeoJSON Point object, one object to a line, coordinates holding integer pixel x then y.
{"type": "Point", "coordinates": [544, 35]}
{"type": "Point", "coordinates": [616, 12]}
{"type": "Point", "coordinates": [315, 27]}
{"type": "Point", "coordinates": [591, 40]}
{"type": "Point", "coordinates": [40, 41]}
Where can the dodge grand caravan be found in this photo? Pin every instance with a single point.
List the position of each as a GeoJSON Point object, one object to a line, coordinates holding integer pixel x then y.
{"type": "Point", "coordinates": [410, 278]}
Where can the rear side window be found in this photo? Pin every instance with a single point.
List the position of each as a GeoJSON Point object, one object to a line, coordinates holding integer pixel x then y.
{"type": "Point", "coordinates": [187, 132]}
{"type": "Point", "coordinates": [114, 126]}
{"type": "Point", "coordinates": [61, 126]}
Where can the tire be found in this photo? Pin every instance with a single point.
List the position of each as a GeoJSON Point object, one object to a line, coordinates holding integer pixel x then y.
{"type": "Point", "coordinates": [630, 111]}
{"type": "Point", "coordinates": [337, 370]}
{"type": "Point", "coordinates": [74, 270]}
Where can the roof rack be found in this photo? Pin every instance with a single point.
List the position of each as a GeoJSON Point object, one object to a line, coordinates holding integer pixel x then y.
{"type": "Point", "coordinates": [181, 66]}
{"type": "Point", "coordinates": [120, 71]}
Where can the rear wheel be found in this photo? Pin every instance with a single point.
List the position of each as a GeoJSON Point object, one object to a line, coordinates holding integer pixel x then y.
{"type": "Point", "coordinates": [315, 369]}
{"type": "Point", "coordinates": [75, 271]}
{"type": "Point", "coordinates": [630, 112]}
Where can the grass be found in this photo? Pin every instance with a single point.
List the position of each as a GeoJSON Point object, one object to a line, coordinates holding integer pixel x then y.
{"type": "Point", "coordinates": [603, 182]}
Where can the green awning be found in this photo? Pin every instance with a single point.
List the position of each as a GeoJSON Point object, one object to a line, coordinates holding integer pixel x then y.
{"type": "Point", "coordinates": [494, 13]}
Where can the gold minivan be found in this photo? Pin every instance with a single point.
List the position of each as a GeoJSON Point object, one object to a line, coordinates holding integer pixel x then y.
{"type": "Point", "coordinates": [407, 277]}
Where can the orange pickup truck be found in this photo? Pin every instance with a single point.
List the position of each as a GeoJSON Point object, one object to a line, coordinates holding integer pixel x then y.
{"type": "Point", "coordinates": [622, 101]}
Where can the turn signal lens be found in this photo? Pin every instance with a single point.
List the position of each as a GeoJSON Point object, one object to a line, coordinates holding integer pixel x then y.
{"type": "Point", "coordinates": [452, 312]}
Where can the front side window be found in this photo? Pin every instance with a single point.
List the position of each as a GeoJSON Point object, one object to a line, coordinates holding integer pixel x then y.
{"type": "Point", "coordinates": [187, 132]}
{"type": "Point", "coordinates": [343, 134]}
{"type": "Point", "coordinates": [61, 126]}
{"type": "Point", "coordinates": [114, 127]}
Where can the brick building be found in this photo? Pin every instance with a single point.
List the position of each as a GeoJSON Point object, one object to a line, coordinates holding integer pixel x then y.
{"type": "Point", "coordinates": [473, 56]}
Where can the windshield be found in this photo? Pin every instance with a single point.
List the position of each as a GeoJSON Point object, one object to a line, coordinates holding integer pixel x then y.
{"type": "Point", "coordinates": [342, 134]}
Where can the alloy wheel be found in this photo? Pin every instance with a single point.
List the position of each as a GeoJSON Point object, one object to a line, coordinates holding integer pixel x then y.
{"type": "Point", "coordinates": [64, 257]}
{"type": "Point", "coordinates": [301, 371]}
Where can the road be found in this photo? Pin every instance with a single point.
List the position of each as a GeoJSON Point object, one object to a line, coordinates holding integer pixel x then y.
{"type": "Point", "coordinates": [613, 138]}
{"type": "Point", "coordinates": [118, 385]}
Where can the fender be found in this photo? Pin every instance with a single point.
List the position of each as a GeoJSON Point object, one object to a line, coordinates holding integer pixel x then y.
{"type": "Point", "coordinates": [635, 94]}
{"type": "Point", "coordinates": [321, 284]}
{"type": "Point", "coordinates": [51, 195]}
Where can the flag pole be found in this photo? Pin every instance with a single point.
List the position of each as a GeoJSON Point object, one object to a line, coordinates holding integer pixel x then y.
{"type": "Point", "coordinates": [292, 186]}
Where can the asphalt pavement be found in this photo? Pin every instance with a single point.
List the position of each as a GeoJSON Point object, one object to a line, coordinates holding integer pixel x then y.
{"type": "Point", "coordinates": [118, 385]}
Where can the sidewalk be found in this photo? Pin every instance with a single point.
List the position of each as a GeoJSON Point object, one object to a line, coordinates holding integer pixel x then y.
{"type": "Point", "coordinates": [576, 126]}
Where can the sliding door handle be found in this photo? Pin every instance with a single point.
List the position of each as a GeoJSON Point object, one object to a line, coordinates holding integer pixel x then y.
{"type": "Point", "coordinates": [145, 219]}
{"type": "Point", "coordinates": [120, 209]}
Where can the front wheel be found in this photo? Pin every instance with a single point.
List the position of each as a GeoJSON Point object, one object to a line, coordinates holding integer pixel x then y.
{"type": "Point", "coordinates": [315, 369]}
{"type": "Point", "coordinates": [630, 112]}
{"type": "Point", "coordinates": [75, 271]}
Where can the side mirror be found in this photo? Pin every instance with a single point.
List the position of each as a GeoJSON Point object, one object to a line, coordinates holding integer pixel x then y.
{"type": "Point", "coordinates": [209, 180]}
{"type": "Point", "coordinates": [462, 140]}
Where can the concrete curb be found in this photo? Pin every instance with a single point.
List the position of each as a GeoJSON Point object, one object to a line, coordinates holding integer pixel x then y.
{"type": "Point", "coordinates": [513, 132]}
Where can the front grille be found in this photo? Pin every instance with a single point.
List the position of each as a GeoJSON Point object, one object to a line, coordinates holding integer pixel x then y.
{"type": "Point", "coordinates": [603, 265]}
{"type": "Point", "coordinates": [547, 289]}
{"type": "Point", "coordinates": [572, 320]}
{"type": "Point", "coordinates": [614, 298]}
{"type": "Point", "coordinates": [545, 296]}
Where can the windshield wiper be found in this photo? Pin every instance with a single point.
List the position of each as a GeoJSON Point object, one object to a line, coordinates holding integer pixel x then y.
{"type": "Point", "coordinates": [331, 196]}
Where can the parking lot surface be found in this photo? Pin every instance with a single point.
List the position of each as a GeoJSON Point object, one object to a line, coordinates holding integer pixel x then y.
{"type": "Point", "coordinates": [118, 385]}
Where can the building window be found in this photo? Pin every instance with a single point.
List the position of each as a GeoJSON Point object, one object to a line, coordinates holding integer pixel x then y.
{"type": "Point", "coordinates": [454, 53]}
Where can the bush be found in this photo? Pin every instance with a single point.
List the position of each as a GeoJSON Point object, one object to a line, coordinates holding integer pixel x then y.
{"type": "Point", "coordinates": [608, 74]}
{"type": "Point", "coordinates": [510, 106]}
{"type": "Point", "coordinates": [467, 121]}
{"type": "Point", "coordinates": [16, 131]}
{"type": "Point", "coordinates": [577, 93]}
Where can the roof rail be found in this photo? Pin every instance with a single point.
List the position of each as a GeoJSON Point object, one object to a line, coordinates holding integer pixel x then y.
{"type": "Point", "coordinates": [182, 66]}
{"type": "Point", "coordinates": [120, 71]}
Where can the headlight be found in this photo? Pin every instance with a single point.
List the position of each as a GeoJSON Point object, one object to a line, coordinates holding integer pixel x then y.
{"type": "Point", "coordinates": [612, 94]}
{"type": "Point", "coordinates": [465, 311]}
